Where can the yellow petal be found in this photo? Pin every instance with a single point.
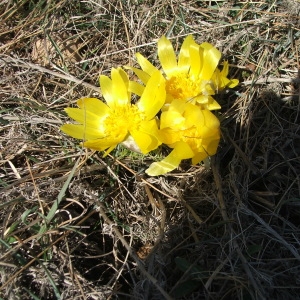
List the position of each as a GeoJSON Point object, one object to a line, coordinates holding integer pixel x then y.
{"type": "Point", "coordinates": [147, 137]}
{"type": "Point", "coordinates": [233, 83]}
{"type": "Point", "coordinates": [154, 95]}
{"type": "Point", "coordinates": [172, 161]}
{"type": "Point", "coordinates": [79, 131]}
{"type": "Point", "coordinates": [211, 58]}
{"type": "Point", "coordinates": [93, 105]}
{"type": "Point", "coordinates": [182, 150]}
{"type": "Point", "coordinates": [143, 76]}
{"type": "Point", "coordinates": [193, 116]}
{"type": "Point", "coordinates": [91, 109]}
{"type": "Point", "coordinates": [120, 82]}
{"type": "Point", "coordinates": [166, 56]}
{"type": "Point", "coordinates": [201, 99]}
{"type": "Point", "coordinates": [177, 105]}
{"type": "Point", "coordinates": [144, 141]}
{"type": "Point", "coordinates": [107, 90]}
{"type": "Point", "coordinates": [211, 121]}
{"type": "Point", "coordinates": [171, 119]}
{"type": "Point", "coordinates": [196, 60]}
{"type": "Point", "coordinates": [184, 55]}
{"type": "Point", "coordinates": [220, 80]}
{"type": "Point", "coordinates": [145, 64]}
{"type": "Point", "coordinates": [163, 167]}
{"type": "Point", "coordinates": [211, 147]}
{"type": "Point", "coordinates": [207, 150]}
{"type": "Point", "coordinates": [77, 114]}
{"type": "Point", "coordinates": [136, 88]}
{"type": "Point", "coordinates": [207, 102]}
{"type": "Point", "coordinates": [225, 69]}
{"type": "Point", "coordinates": [102, 144]}
{"type": "Point", "coordinates": [200, 156]}
{"type": "Point", "coordinates": [74, 130]}
{"type": "Point", "coordinates": [170, 136]}
{"type": "Point", "coordinates": [213, 105]}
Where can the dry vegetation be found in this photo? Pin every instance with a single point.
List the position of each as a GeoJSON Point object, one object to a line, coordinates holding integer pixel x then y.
{"type": "Point", "coordinates": [75, 225]}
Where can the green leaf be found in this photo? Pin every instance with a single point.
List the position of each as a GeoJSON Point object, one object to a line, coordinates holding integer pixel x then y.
{"type": "Point", "coordinates": [26, 213]}
{"type": "Point", "coordinates": [52, 282]}
{"type": "Point", "coordinates": [60, 197]}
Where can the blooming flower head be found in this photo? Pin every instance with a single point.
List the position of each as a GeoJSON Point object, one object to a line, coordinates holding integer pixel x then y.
{"type": "Point", "coordinates": [193, 77]}
{"type": "Point", "coordinates": [192, 132]}
{"type": "Point", "coordinates": [103, 126]}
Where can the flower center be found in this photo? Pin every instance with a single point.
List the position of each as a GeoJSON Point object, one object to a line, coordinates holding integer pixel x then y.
{"type": "Point", "coordinates": [183, 86]}
{"type": "Point", "coordinates": [123, 119]}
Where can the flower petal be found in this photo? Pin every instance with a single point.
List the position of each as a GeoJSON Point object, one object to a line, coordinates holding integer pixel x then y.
{"type": "Point", "coordinates": [136, 88]}
{"type": "Point", "coordinates": [74, 130]}
{"type": "Point", "coordinates": [172, 161]}
{"type": "Point", "coordinates": [102, 144]}
{"type": "Point", "coordinates": [208, 150]}
{"type": "Point", "coordinates": [167, 56]}
{"type": "Point", "coordinates": [213, 105]}
{"type": "Point", "coordinates": [143, 76]}
{"type": "Point", "coordinates": [147, 137]}
{"type": "Point", "coordinates": [153, 97]}
{"type": "Point", "coordinates": [91, 109]}
{"type": "Point", "coordinates": [81, 132]}
{"type": "Point", "coordinates": [200, 156]}
{"type": "Point", "coordinates": [195, 60]}
{"type": "Point", "coordinates": [178, 105]}
{"type": "Point", "coordinates": [225, 69]}
{"type": "Point", "coordinates": [233, 83]}
{"type": "Point", "coordinates": [144, 141]}
{"type": "Point", "coordinates": [145, 64]}
{"type": "Point", "coordinates": [211, 147]}
{"type": "Point", "coordinates": [184, 62]}
{"type": "Point", "coordinates": [120, 82]}
{"type": "Point", "coordinates": [170, 136]}
{"type": "Point", "coordinates": [193, 116]}
{"type": "Point", "coordinates": [211, 121]}
{"type": "Point", "coordinates": [222, 80]}
{"type": "Point", "coordinates": [93, 105]}
{"type": "Point", "coordinates": [107, 90]}
{"type": "Point", "coordinates": [171, 119]}
{"type": "Point", "coordinates": [211, 58]}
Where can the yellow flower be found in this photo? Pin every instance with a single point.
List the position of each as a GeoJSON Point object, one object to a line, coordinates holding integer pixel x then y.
{"type": "Point", "coordinates": [192, 132]}
{"type": "Point", "coordinates": [220, 79]}
{"type": "Point", "coordinates": [103, 126]}
{"type": "Point", "coordinates": [193, 77]}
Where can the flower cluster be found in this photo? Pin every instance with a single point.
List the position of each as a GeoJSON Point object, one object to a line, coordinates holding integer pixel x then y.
{"type": "Point", "coordinates": [174, 106]}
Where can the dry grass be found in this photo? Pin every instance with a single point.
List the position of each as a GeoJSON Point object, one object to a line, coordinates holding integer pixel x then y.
{"type": "Point", "coordinates": [75, 225]}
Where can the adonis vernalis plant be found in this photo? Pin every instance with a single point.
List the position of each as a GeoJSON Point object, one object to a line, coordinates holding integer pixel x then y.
{"type": "Point", "coordinates": [181, 93]}
{"type": "Point", "coordinates": [103, 126]}
{"type": "Point", "coordinates": [192, 132]}
{"type": "Point", "coordinates": [192, 77]}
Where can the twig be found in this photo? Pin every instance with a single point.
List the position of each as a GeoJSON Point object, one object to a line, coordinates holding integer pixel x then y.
{"type": "Point", "coordinates": [218, 181]}
{"type": "Point", "coordinates": [33, 120]}
{"type": "Point", "coordinates": [23, 64]}
{"type": "Point", "coordinates": [271, 80]}
{"type": "Point", "coordinates": [278, 237]}
{"type": "Point", "coordinates": [132, 253]}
